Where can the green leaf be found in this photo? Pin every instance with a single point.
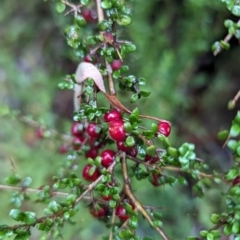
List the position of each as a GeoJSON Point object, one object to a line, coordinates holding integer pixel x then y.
{"type": "Point", "coordinates": [236, 10]}
{"type": "Point", "coordinates": [116, 74]}
{"type": "Point", "coordinates": [60, 7]}
{"type": "Point", "coordinates": [124, 69]}
{"type": "Point", "coordinates": [16, 214]}
{"type": "Point", "coordinates": [25, 236]}
{"type": "Point", "coordinates": [216, 46]}
{"type": "Point", "coordinates": [210, 236]}
{"type": "Point", "coordinates": [227, 229]}
{"type": "Point", "coordinates": [145, 93]}
{"type": "Point", "coordinates": [172, 152]}
{"type": "Point", "coordinates": [142, 81]}
{"type": "Point", "coordinates": [124, 20]}
{"type": "Point", "coordinates": [183, 160]}
{"type": "Point", "coordinates": [134, 98]}
{"type": "Point", "coordinates": [215, 218]}
{"type": "Point", "coordinates": [216, 233]}
{"type": "Point", "coordinates": [154, 127]}
{"type": "Point", "coordinates": [13, 179]}
{"type": "Point", "coordinates": [232, 144]}
{"type": "Point", "coordinates": [129, 47]}
{"type": "Point", "coordinates": [112, 203]}
{"type": "Point", "coordinates": [223, 135]}
{"type": "Point", "coordinates": [26, 182]}
{"type": "Point", "coordinates": [228, 23]}
{"type": "Point", "coordinates": [106, 4]}
{"type": "Point", "coordinates": [238, 151]}
{"type": "Point", "coordinates": [133, 222]}
{"type": "Point", "coordinates": [29, 218]}
{"type": "Point", "coordinates": [224, 45]}
{"type": "Point", "coordinates": [104, 25]}
{"type": "Point", "coordinates": [80, 21]}
{"type": "Point", "coordinates": [127, 127]}
{"type": "Point", "coordinates": [76, 181]}
{"type": "Point", "coordinates": [151, 150]}
{"type": "Point", "coordinates": [235, 227]}
{"type": "Point", "coordinates": [157, 223]}
{"type": "Point", "coordinates": [125, 234]}
{"type": "Point", "coordinates": [157, 215]}
{"type": "Point", "coordinates": [232, 174]}
{"type": "Point", "coordinates": [135, 112]}
{"type": "Point", "coordinates": [71, 198]}
{"type": "Point", "coordinates": [54, 206]}
{"type": "Point", "coordinates": [130, 142]}
{"type": "Point", "coordinates": [85, 2]}
{"type": "Point", "coordinates": [192, 238]}
{"type": "Point", "coordinates": [203, 233]}
{"type": "Point", "coordinates": [237, 118]}
{"type": "Point", "coordinates": [234, 130]}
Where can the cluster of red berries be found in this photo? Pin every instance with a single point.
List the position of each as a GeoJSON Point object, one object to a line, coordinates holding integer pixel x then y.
{"type": "Point", "coordinates": [91, 136]}
{"type": "Point", "coordinates": [102, 211]}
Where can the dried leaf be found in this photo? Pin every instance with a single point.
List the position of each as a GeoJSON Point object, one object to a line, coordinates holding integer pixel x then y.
{"type": "Point", "coordinates": [84, 71]}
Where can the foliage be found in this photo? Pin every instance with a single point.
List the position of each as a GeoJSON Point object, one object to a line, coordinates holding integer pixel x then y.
{"type": "Point", "coordinates": [137, 147]}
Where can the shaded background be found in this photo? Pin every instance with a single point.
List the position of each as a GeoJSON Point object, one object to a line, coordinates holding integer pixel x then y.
{"type": "Point", "coordinates": [189, 87]}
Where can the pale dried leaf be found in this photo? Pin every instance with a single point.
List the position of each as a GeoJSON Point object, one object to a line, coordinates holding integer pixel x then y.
{"type": "Point", "coordinates": [84, 71]}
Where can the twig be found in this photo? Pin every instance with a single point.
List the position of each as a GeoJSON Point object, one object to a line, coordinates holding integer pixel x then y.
{"type": "Point", "coordinates": [226, 40]}
{"type": "Point", "coordinates": [53, 133]}
{"type": "Point", "coordinates": [112, 222]}
{"type": "Point", "coordinates": [138, 205]}
{"type": "Point", "coordinates": [108, 66]}
{"type": "Point", "coordinates": [75, 8]}
{"type": "Point", "coordinates": [34, 190]}
{"type": "Point", "coordinates": [93, 184]}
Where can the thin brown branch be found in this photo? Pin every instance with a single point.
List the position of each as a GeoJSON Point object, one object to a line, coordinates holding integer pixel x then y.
{"type": "Point", "coordinates": [75, 8]}
{"type": "Point", "coordinates": [226, 40]}
{"type": "Point", "coordinates": [237, 96]}
{"type": "Point", "coordinates": [138, 205]}
{"type": "Point", "coordinates": [30, 190]}
{"type": "Point", "coordinates": [93, 184]}
{"type": "Point", "coordinates": [34, 190]}
{"type": "Point", "coordinates": [112, 222]}
{"type": "Point", "coordinates": [53, 133]}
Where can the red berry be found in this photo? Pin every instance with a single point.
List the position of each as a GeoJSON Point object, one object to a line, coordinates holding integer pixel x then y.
{"type": "Point", "coordinates": [112, 115]}
{"type": "Point", "coordinates": [93, 130]}
{"type": "Point", "coordinates": [92, 153]}
{"type": "Point", "coordinates": [151, 159]}
{"type": "Point", "coordinates": [116, 64]}
{"type": "Point", "coordinates": [133, 152]}
{"type": "Point", "coordinates": [63, 149]}
{"type": "Point", "coordinates": [88, 58]}
{"type": "Point", "coordinates": [122, 213]}
{"type": "Point", "coordinates": [236, 181]}
{"type": "Point", "coordinates": [109, 37]}
{"type": "Point", "coordinates": [107, 158]}
{"type": "Point", "coordinates": [87, 15]}
{"type": "Point", "coordinates": [130, 150]}
{"type": "Point", "coordinates": [77, 142]}
{"type": "Point", "coordinates": [116, 130]}
{"type": "Point", "coordinates": [40, 132]}
{"type": "Point", "coordinates": [164, 128]}
{"type": "Point", "coordinates": [106, 198]}
{"type": "Point", "coordinates": [155, 179]}
{"type": "Point", "coordinates": [77, 129]}
{"type": "Point", "coordinates": [90, 173]}
{"type": "Point", "coordinates": [99, 212]}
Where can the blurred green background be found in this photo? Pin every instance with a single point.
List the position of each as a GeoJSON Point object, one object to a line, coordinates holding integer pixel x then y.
{"type": "Point", "coordinates": [189, 86]}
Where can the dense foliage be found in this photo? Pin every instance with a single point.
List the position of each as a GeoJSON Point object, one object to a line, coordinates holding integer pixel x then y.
{"type": "Point", "coordinates": [139, 154]}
